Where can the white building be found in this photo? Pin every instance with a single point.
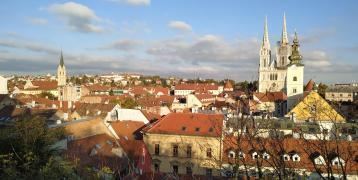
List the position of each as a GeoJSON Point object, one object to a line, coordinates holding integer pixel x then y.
{"type": "Point", "coordinates": [285, 72]}
{"type": "Point", "coordinates": [3, 85]}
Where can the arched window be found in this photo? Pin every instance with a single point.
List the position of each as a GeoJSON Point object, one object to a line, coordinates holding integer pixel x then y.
{"type": "Point", "coordinates": [294, 78]}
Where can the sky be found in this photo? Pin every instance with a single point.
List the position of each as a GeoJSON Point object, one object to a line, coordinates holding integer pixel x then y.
{"type": "Point", "coordinates": [216, 39]}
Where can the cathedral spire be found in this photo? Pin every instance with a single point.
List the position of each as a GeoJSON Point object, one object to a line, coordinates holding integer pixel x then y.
{"type": "Point", "coordinates": [265, 41]}
{"type": "Point", "coordinates": [284, 37]}
{"type": "Point", "coordinates": [295, 57]}
{"type": "Point", "coordinates": [62, 63]}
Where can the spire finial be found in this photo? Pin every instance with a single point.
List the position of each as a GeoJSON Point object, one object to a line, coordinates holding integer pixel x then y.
{"type": "Point", "coordinates": [266, 41]}
{"type": "Point", "coordinates": [284, 36]}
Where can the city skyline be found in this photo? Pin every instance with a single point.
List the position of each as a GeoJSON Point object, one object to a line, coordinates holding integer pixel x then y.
{"type": "Point", "coordinates": [173, 39]}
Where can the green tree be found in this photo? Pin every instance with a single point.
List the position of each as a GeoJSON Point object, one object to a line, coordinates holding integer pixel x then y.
{"type": "Point", "coordinates": [322, 89]}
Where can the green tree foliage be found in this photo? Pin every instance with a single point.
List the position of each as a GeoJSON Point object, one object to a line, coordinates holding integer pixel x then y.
{"type": "Point", "coordinates": [26, 153]}
{"type": "Point", "coordinates": [129, 103]}
{"type": "Point", "coordinates": [322, 89]}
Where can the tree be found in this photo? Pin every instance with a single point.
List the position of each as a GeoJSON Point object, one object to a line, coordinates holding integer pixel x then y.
{"type": "Point", "coordinates": [26, 153]}
{"type": "Point", "coordinates": [322, 89]}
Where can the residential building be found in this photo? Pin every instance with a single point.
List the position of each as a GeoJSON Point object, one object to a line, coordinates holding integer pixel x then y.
{"type": "Point", "coordinates": [3, 85]}
{"type": "Point", "coordinates": [341, 93]}
{"type": "Point", "coordinates": [186, 143]}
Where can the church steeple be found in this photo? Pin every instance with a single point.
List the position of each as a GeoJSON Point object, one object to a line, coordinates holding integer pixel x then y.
{"type": "Point", "coordinates": [284, 36]}
{"type": "Point", "coordinates": [266, 41]}
{"type": "Point", "coordinates": [295, 57]}
{"type": "Point", "coordinates": [62, 63]}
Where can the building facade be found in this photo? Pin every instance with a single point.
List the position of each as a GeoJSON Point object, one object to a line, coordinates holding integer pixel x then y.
{"type": "Point", "coordinates": [285, 71]}
{"type": "Point", "coordinates": [3, 85]}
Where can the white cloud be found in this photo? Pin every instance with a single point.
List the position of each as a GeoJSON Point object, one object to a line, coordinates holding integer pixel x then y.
{"type": "Point", "coordinates": [180, 25]}
{"type": "Point", "coordinates": [134, 2]}
{"type": "Point", "coordinates": [78, 17]}
{"type": "Point", "coordinates": [317, 59]}
{"type": "Point", "coordinates": [37, 21]}
{"type": "Point", "coordinates": [123, 44]}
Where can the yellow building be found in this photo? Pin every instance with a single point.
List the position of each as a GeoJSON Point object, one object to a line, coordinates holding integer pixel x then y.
{"type": "Point", "coordinates": [314, 108]}
{"type": "Point", "coordinates": [186, 143]}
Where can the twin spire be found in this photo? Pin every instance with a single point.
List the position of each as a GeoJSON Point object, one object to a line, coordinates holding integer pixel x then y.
{"type": "Point", "coordinates": [284, 36]}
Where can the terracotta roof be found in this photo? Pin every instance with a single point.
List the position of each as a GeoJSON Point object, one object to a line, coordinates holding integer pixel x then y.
{"type": "Point", "coordinates": [304, 148]}
{"type": "Point", "coordinates": [196, 87]}
{"type": "Point", "coordinates": [45, 85]}
{"type": "Point", "coordinates": [310, 85]}
{"type": "Point", "coordinates": [189, 124]}
{"type": "Point", "coordinates": [98, 87]}
{"type": "Point", "coordinates": [271, 96]}
{"type": "Point", "coordinates": [94, 109]}
{"type": "Point", "coordinates": [86, 128]}
{"type": "Point", "coordinates": [127, 129]}
{"type": "Point", "coordinates": [205, 97]}
{"type": "Point", "coordinates": [95, 151]}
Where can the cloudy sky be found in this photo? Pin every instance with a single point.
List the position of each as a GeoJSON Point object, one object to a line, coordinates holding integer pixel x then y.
{"type": "Point", "coordinates": [188, 38]}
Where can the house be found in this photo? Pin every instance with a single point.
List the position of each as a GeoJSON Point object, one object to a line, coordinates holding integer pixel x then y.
{"type": "Point", "coordinates": [314, 108]}
{"type": "Point", "coordinates": [303, 157]}
{"type": "Point", "coordinates": [3, 85]}
{"type": "Point", "coordinates": [271, 102]}
{"type": "Point", "coordinates": [185, 143]}
{"type": "Point", "coordinates": [228, 87]}
{"type": "Point", "coordinates": [342, 93]}
{"type": "Point", "coordinates": [38, 87]}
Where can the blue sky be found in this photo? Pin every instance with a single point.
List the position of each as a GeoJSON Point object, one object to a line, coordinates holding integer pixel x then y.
{"type": "Point", "coordinates": [211, 39]}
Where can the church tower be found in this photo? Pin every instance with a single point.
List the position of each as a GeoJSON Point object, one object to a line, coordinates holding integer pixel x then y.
{"type": "Point", "coordinates": [295, 70]}
{"type": "Point", "coordinates": [61, 72]}
{"type": "Point", "coordinates": [265, 58]}
{"type": "Point", "coordinates": [283, 50]}
{"type": "Point", "coordinates": [265, 50]}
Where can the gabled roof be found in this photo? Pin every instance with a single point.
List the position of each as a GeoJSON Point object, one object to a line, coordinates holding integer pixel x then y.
{"type": "Point", "coordinates": [45, 85]}
{"type": "Point", "coordinates": [270, 96]}
{"type": "Point", "coordinates": [189, 124]}
{"type": "Point", "coordinates": [314, 107]}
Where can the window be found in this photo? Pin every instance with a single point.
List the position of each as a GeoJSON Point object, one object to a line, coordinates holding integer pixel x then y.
{"type": "Point", "coordinates": [241, 155]}
{"type": "Point", "coordinates": [255, 155]}
{"type": "Point", "coordinates": [208, 153]}
{"type": "Point", "coordinates": [175, 169]}
{"type": "Point", "coordinates": [175, 150]}
{"type": "Point", "coordinates": [156, 149]}
{"type": "Point", "coordinates": [183, 128]}
{"type": "Point", "coordinates": [209, 172]}
{"type": "Point", "coordinates": [188, 151]}
{"type": "Point", "coordinates": [294, 78]}
{"type": "Point", "coordinates": [197, 129]}
{"type": "Point", "coordinates": [231, 154]}
{"type": "Point", "coordinates": [156, 167]}
{"type": "Point", "coordinates": [189, 170]}
{"type": "Point", "coordinates": [294, 90]}
{"type": "Point", "coordinates": [266, 156]}
{"type": "Point", "coordinates": [211, 129]}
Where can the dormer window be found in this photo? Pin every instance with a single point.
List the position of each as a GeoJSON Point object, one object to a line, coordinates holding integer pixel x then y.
{"type": "Point", "coordinates": [286, 157]}
{"type": "Point", "coordinates": [197, 129]}
{"type": "Point", "coordinates": [319, 160]}
{"type": "Point", "coordinates": [337, 161]}
{"type": "Point", "coordinates": [231, 154]}
{"type": "Point", "coordinates": [296, 158]}
{"type": "Point", "coordinates": [266, 156]}
{"type": "Point", "coordinates": [255, 155]}
{"type": "Point", "coordinates": [183, 128]}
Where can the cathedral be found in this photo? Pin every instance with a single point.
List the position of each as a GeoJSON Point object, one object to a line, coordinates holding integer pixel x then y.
{"type": "Point", "coordinates": [284, 72]}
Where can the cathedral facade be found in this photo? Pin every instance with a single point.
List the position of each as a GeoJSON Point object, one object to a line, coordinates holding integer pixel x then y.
{"type": "Point", "coordinates": [284, 72]}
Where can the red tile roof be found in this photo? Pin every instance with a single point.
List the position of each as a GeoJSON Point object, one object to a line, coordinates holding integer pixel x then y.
{"type": "Point", "coordinates": [304, 148]}
{"type": "Point", "coordinates": [189, 124]}
{"type": "Point", "coordinates": [45, 85]}
{"type": "Point", "coordinates": [271, 96]}
{"type": "Point", "coordinates": [309, 86]}
{"type": "Point", "coordinates": [196, 87]}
